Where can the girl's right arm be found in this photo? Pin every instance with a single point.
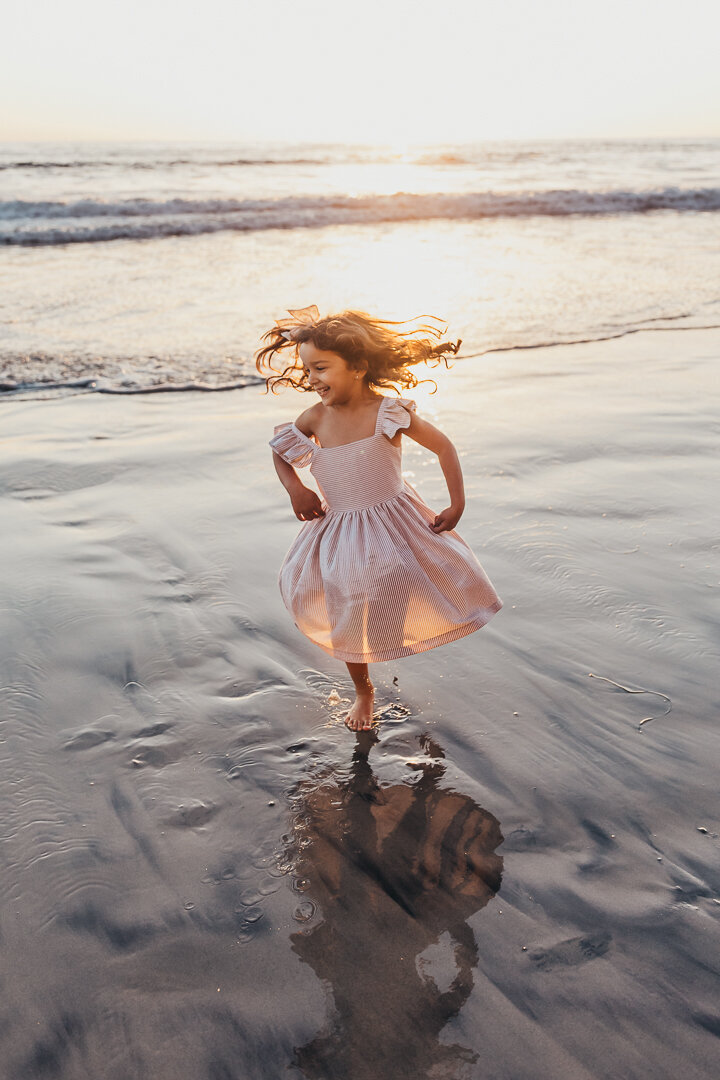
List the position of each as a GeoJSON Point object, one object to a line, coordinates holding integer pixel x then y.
{"type": "Point", "coordinates": [305, 501]}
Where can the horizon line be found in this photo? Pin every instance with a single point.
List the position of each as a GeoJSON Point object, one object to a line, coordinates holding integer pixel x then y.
{"type": "Point", "coordinates": [245, 140]}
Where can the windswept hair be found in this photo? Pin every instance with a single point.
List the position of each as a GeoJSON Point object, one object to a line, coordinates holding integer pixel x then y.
{"type": "Point", "coordinates": [361, 341]}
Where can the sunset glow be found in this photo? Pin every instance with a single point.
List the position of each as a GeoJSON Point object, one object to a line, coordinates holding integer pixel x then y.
{"type": "Point", "coordinates": [384, 72]}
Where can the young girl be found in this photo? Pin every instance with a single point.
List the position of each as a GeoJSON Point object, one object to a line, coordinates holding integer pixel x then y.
{"type": "Point", "coordinates": [373, 574]}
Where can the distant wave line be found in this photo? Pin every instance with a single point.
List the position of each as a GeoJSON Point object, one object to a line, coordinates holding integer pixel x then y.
{"type": "Point", "coordinates": [444, 158]}
{"type": "Point", "coordinates": [138, 219]}
{"type": "Point", "coordinates": [158, 163]}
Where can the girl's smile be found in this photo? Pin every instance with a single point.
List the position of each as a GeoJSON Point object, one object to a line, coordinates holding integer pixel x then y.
{"type": "Point", "coordinates": [329, 375]}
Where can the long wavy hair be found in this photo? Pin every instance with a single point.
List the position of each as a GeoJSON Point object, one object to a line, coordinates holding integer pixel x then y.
{"type": "Point", "coordinates": [362, 341]}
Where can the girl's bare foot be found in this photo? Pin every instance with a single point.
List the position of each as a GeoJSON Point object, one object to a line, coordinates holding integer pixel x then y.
{"type": "Point", "coordinates": [360, 716]}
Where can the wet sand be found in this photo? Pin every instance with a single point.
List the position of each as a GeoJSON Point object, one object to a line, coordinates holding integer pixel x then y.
{"type": "Point", "coordinates": [205, 875]}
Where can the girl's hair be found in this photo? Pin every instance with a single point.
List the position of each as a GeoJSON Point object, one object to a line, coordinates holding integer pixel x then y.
{"type": "Point", "coordinates": [361, 341]}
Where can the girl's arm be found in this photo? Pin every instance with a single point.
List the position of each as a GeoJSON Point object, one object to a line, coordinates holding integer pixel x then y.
{"type": "Point", "coordinates": [431, 438]}
{"type": "Point", "coordinates": [305, 501]}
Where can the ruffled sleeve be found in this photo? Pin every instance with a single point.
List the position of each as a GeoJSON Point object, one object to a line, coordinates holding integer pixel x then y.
{"type": "Point", "coordinates": [292, 446]}
{"type": "Point", "coordinates": [395, 414]}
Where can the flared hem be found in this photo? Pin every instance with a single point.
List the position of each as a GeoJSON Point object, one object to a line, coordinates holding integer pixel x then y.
{"type": "Point", "coordinates": [419, 647]}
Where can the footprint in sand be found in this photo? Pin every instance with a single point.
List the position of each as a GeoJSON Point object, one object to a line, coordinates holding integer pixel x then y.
{"type": "Point", "coordinates": [192, 814]}
{"type": "Point", "coordinates": [85, 738]}
{"type": "Point", "coordinates": [392, 714]}
{"type": "Point", "coordinates": [571, 952]}
{"type": "Point", "coordinates": [152, 731]}
{"type": "Point", "coordinates": [155, 754]}
{"type": "Point", "coordinates": [164, 750]}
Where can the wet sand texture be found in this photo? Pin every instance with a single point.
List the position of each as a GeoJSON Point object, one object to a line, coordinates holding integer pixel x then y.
{"type": "Point", "coordinates": [205, 875]}
{"type": "Point", "coordinates": [395, 869]}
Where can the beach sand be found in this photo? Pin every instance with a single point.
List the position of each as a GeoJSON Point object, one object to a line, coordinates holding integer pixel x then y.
{"type": "Point", "coordinates": [205, 875]}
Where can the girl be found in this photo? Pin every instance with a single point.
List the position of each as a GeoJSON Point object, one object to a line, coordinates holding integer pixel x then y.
{"type": "Point", "coordinates": [374, 574]}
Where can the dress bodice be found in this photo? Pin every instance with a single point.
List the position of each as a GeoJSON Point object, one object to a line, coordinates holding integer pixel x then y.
{"type": "Point", "coordinates": [356, 475]}
{"type": "Point", "coordinates": [360, 474]}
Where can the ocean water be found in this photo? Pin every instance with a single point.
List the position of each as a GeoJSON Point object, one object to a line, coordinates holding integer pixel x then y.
{"type": "Point", "coordinates": [127, 268]}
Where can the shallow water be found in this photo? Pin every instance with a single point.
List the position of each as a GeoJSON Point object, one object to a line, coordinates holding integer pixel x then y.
{"type": "Point", "coordinates": [206, 875]}
{"type": "Point", "coordinates": [514, 244]}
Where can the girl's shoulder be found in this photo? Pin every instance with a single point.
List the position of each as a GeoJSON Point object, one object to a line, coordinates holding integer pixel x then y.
{"type": "Point", "coordinates": [307, 421]}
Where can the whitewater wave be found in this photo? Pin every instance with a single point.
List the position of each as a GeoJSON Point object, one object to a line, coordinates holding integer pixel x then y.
{"type": "Point", "coordinates": [60, 374]}
{"type": "Point", "coordinates": [30, 223]}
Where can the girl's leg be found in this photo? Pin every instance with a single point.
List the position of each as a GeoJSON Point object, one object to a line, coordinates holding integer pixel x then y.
{"type": "Point", "coordinates": [360, 716]}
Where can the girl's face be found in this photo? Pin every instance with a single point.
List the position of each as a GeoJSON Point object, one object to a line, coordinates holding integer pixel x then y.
{"type": "Point", "coordinates": [329, 375]}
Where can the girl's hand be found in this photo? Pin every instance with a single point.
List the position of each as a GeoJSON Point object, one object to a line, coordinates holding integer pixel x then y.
{"type": "Point", "coordinates": [447, 519]}
{"type": "Point", "coordinates": [306, 504]}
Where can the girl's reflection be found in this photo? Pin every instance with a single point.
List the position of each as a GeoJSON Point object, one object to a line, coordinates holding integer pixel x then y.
{"type": "Point", "coordinates": [392, 869]}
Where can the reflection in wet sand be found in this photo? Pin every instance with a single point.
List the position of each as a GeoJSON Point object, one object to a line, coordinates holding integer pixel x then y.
{"type": "Point", "coordinates": [396, 872]}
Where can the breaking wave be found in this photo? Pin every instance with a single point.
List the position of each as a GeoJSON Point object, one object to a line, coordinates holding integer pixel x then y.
{"type": "Point", "coordinates": [28, 223]}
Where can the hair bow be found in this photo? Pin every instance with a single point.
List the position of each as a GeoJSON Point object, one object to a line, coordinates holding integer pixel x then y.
{"type": "Point", "coordinates": [303, 317]}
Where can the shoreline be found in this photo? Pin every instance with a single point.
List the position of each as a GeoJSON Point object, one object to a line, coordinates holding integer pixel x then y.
{"type": "Point", "coordinates": [13, 390]}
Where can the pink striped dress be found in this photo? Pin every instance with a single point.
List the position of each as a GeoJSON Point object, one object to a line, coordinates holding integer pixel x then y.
{"type": "Point", "coordinates": [370, 581]}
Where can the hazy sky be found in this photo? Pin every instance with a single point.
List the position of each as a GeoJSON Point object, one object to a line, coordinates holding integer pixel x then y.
{"type": "Point", "coordinates": [385, 70]}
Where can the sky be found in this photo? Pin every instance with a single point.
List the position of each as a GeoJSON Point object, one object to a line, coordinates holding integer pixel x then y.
{"type": "Point", "coordinates": [396, 71]}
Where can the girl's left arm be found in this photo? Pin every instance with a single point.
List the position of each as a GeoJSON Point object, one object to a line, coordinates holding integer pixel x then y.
{"type": "Point", "coordinates": [432, 438]}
